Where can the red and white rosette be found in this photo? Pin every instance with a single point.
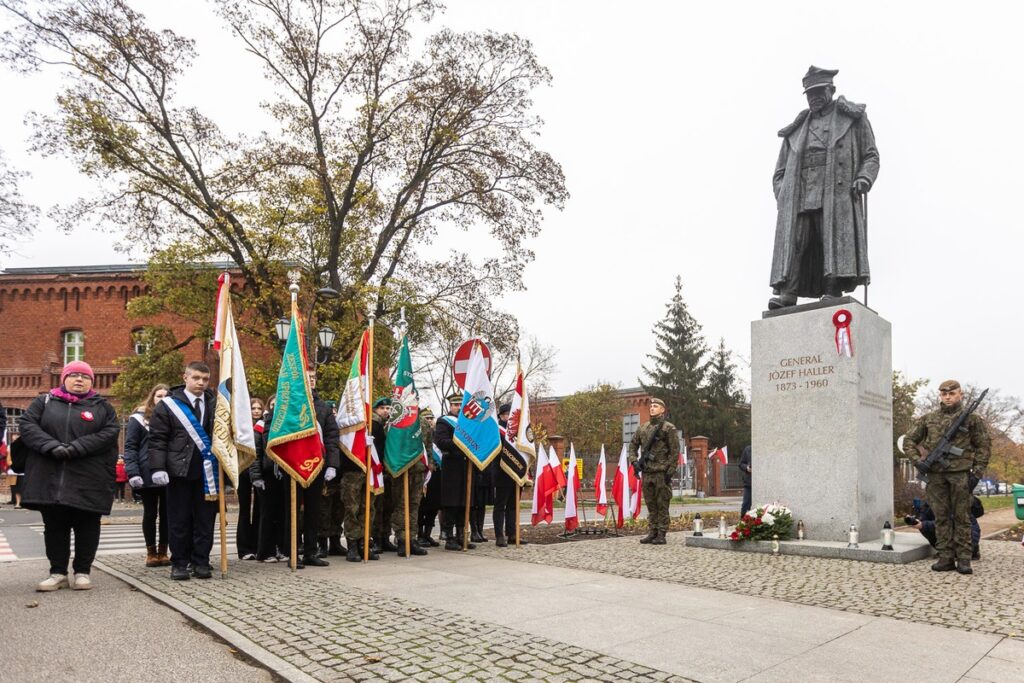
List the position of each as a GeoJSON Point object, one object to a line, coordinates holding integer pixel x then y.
{"type": "Point", "coordinates": [844, 340]}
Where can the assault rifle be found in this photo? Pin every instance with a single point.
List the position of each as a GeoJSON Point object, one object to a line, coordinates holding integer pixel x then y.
{"type": "Point", "coordinates": [945, 447]}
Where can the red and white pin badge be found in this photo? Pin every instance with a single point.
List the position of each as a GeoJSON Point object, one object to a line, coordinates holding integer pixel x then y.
{"type": "Point", "coordinates": [87, 416]}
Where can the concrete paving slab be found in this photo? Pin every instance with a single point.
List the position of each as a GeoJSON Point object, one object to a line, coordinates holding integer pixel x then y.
{"type": "Point", "coordinates": [995, 670]}
{"type": "Point", "coordinates": [1011, 651]}
{"type": "Point", "coordinates": [807, 624]}
{"type": "Point", "coordinates": [887, 650]}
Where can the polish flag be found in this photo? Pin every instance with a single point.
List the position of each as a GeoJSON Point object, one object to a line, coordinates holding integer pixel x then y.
{"type": "Point", "coordinates": [555, 467]}
{"type": "Point", "coordinates": [626, 490]}
{"type": "Point", "coordinates": [599, 486]}
{"type": "Point", "coordinates": [682, 457]}
{"type": "Point", "coordinates": [721, 454]}
{"type": "Point", "coordinates": [543, 490]}
{"type": "Point", "coordinates": [572, 519]}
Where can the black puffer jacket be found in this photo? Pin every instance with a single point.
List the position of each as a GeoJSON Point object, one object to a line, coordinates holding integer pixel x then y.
{"type": "Point", "coordinates": [263, 466]}
{"type": "Point", "coordinates": [84, 481]}
{"type": "Point", "coordinates": [136, 450]}
{"type": "Point", "coordinates": [170, 446]}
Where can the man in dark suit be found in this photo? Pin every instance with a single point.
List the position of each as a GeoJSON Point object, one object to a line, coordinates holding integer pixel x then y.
{"type": "Point", "coordinates": [177, 463]}
{"type": "Point", "coordinates": [745, 472]}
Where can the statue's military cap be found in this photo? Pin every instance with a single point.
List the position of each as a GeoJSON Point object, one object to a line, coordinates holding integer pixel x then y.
{"type": "Point", "coordinates": [817, 77]}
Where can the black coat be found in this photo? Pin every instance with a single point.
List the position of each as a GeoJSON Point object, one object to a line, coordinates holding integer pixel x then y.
{"type": "Point", "coordinates": [745, 466]}
{"type": "Point", "coordinates": [136, 451]}
{"type": "Point", "coordinates": [170, 447]}
{"type": "Point", "coordinates": [84, 481]}
{"type": "Point", "coordinates": [453, 466]}
{"type": "Point", "coordinates": [263, 466]}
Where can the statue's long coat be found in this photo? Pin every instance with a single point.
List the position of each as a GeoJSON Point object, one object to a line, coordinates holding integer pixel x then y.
{"type": "Point", "coordinates": [851, 154]}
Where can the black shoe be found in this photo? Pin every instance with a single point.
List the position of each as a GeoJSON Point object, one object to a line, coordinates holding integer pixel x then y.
{"type": "Point", "coordinates": [202, 572]}
{"type": "Point", "coordinates": [500, 542]}
{"type": "Point", "coordinates": [945, 564]}
{"type": "Point", "coordinates": [649, 538]}
{"type": "Point", "coordinates": [315, 561]}
{"type": "Point", "coordinates": [452, 544]}
{"type": "Point", "coordinates": [414, 549]}
{"type": "Point", "coordinates": [321, 548]}
{"type": "Point", "coordinates": [352, 555]}
{"type": "Point", "coordinates": [964, 567]}
{"type": "Point", "coordinates": [781, 301]}
{"type": "Point", "coordinates": [180, 574]}
{"type": "Point", "coordinates": [659, 539]}
{"type": "Point", "coordinates": [976, 553]}
{"type": "Point", "coordinates": [388, 547]}
{"type": "Point", "coordinates": [334, 546]}
{"type": "Point", "coordinates": [299, 564]}
{"type": "Point", "coordinates": [428, 541]}
{"type": "Point", "coordinates": [479, 538]}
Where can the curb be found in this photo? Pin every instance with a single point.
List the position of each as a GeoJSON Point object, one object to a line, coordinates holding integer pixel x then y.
{"type": "Point", "coordinates": [264, 657]}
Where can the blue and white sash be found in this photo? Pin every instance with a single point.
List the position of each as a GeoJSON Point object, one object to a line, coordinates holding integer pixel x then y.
{"type": "Point", "coordinates": [194, 428]}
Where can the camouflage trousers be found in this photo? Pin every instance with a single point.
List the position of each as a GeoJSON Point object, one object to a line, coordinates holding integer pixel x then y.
{"type": "Point", "coordinates": [950, 499]}
{"type": "Point", "coordinates": [332, 510]}
{"type": "Point", "coordinates": [397, 493]}
{"type": "Point", "coordinates": [382, 509]}
{"type": "Point", "coordinates": [353, 501]}
{"type": "Point", "coordinates": [658, 493]}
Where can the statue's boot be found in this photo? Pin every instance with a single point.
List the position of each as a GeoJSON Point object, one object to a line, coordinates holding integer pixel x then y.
{"type": "Point", "coordinates": [781, 301]}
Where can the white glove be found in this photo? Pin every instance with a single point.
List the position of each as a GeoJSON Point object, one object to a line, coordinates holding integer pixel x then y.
{"type": "Point", "coordinates": [330, 474]}
{"type": "Point", "coordinates": [136, 482]}
{"type": "Point", "coordinates": [259, 484]}
{"type": "Point", "coordinates": [161, 479]}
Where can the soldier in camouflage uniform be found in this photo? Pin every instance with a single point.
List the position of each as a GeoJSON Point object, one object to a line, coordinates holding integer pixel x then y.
{"type": "Point", "coordinates": [430, 503]}
{"type": "Point", "coordinates": [654, 452]}
{"type": "Point", "coordinates": [416, 472]}
{"type": "Point", "coordinates": [949, 489]}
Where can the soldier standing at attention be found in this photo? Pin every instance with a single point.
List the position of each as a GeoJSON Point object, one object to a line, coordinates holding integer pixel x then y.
{"type": "Point", "coordinates": [383, 507]}
{"type": "Point", "coordinates": [431, 503]}
{"type": "Point", "coordinates": [654, 451]}
{"type": "Point", "coordinates": [949, 492]}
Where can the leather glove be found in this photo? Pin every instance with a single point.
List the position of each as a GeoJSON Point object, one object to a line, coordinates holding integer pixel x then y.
{"type": "Point", "coordinates": [330, 474]}
{"type": "Point", "coordinates": [62, 452]}
{"type": "Point", "coordinates": [259, 484]}
{"type": "Point", "coordinates": [136, 482]}
{"type": "Point", "coordinates": [160, 478]}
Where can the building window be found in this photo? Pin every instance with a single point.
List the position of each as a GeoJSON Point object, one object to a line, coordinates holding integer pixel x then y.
{"type": "Point", "coordinates": [139, 342]}
{"type": "Point", "coordinates": [74, 346]}
{"type": "Point", "coordinates": [630, 423]}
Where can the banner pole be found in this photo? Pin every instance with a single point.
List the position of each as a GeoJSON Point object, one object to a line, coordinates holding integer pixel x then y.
{"type": "Point", "coordinates": [369, 438]}
{"type": "Point", "coordinates": [223, 524]}
{"type": "Point", "coordinates": [408, 541]}
{"type": "Point", "coordinates": [293, 560]}
{"type": "Point", "coordinates": [469, 498]}
{"type": "Point", "coordinates": [519, 493]}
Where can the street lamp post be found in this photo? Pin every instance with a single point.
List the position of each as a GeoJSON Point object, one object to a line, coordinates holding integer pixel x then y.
{"type": "Point", "coordinates": [325, 336]}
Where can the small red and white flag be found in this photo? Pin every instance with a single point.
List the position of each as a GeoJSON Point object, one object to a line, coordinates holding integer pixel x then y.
{"type": "Point", "coordinates": [426, 467]}
{"type": "Point", "coordinates": [626, 490]}
{"type": "Point", "coordinates": [555, 468]}
{"type": "Point", "coordinates": [682, 457]}
{"type": "Point", "coordinates": [543, 490]}
{"type": "Point", "coordinates": [721, 455]}
{"type": "Point", "coordinates": [572, 519]}
{"type": "Point", "coordinates": [376, 471]}
{"type": "Point", "coordinates": [600, 490]}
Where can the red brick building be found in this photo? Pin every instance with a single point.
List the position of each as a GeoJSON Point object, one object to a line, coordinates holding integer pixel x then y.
{"type": "Point", "coordinates": [635, 411]}
{"type": "Point", "coordinates": [50, 316]}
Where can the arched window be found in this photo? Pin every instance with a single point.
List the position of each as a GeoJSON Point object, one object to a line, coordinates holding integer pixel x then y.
{"type": "Point", "coordinates": [74, 346]}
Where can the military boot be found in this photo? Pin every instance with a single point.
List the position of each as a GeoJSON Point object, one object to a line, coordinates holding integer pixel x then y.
{"type": "Point", "coordinates": [964, 567]}
{"type": "Point", "coordinates": [501, 541]}
{"type": "Point", "coordinates": [414, 548]}
{"type": "Point", "coordinates": [386, 545]}
{"type": "Point", "coordinates": [321, 547]}
{"type": "Point", "coordinates": [659, 538]}
{"type": "Point", "coordinates": [649, 538]}
{"type": "Point", "coordinates": [945, 564]}
{"type": "Point", "coordinates": [976, 552]}
{"type": "Point", "coordinates": [334, 546]}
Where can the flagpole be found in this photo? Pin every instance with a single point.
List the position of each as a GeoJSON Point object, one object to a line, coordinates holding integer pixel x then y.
{"type": "Point", "coordinates": [223, 524]}
{"type": "Point", "coordinates": [519, 493]}
{"type": "Point", "coordinates": [369, 435]}
{"type": "Point", "coordinates": [469, 494]}
{"type": "Point", "coordinates": [294, 549]}
{"type": "Point", "coordinates": [408, 542]}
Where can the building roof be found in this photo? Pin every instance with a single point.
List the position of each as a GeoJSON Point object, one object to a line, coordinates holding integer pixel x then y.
{"type": "Point", "coordinates": [100, 269]}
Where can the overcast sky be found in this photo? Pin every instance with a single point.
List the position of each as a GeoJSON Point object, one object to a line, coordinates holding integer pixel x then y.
{"type": "Point", "coordinates": [664, 116]}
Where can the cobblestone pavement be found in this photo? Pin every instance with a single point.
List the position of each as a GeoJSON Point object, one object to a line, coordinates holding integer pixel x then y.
{"type": "Point", "coordinates": [990, 601]}
{"type": "Point", "coordinates": [337, 633]}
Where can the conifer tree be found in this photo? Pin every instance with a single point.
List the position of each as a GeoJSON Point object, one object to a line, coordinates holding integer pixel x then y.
{"type": "Point", "coordinates": [679, 368]}
{"type": "Point", "coordinates": [728, 420]}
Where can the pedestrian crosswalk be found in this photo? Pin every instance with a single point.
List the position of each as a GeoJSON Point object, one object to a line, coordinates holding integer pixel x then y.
{"type": "Point", "coordinates": [6, 554]}
{"type": "Point", "coordinates": [123, 539]}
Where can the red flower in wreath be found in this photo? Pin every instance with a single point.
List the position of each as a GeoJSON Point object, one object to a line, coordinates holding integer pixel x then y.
{"type": "Point", "coordinates": [734, 536]}
{"type": "Point", "coordinates": [757, 522]}
{"type": "Point", "coordinates": [746, 532]}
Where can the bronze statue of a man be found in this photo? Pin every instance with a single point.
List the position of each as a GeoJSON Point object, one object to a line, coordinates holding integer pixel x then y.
{"type": "Point", "coordinates": [827, 162]}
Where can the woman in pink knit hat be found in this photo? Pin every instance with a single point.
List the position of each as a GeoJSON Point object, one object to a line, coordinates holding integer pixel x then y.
{"type": "Point", "coordinates": [71, 436]}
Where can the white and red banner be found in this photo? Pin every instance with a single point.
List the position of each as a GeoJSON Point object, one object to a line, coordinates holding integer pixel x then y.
{"type": "Point", "coordinates": [600, 490]}
{"type": "Point", "coordinates": [626, 490]}
{"type": "Point", "coordinates": [544, 488]}
{"type": "Point", "coordinates": [721, 455]}
{"type": "Point", "coordinates": [572, 519]}
{"type": "Point", "coordinates": [844, 338]}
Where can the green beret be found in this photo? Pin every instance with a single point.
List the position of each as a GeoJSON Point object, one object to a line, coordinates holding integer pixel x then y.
{"type": "Point", "coordinates": [382, 401]}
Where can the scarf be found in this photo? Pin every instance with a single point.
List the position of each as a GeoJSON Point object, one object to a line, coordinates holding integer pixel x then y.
{"type": "Point", "coordinates": [67, 396]}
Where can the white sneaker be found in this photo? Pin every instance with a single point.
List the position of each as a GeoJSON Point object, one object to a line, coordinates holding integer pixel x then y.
{"type": "Point", "coordinates": [82, 582]}
{"type": "Point", "coordinates": [55, 582]}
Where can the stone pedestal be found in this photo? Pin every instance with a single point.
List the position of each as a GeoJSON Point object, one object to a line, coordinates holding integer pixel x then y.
{"type": "Point", "coordinates": [822, 422]}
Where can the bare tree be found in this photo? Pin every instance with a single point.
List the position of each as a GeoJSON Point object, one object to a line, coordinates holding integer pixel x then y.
{"type": "Point", "coordinates": [17, 217]}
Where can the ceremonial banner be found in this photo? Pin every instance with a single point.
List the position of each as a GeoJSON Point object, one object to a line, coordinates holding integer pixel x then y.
{"type": "Point", "coordinates": [476, 431]}
{"type": "Point", "coordinates": [626, 490]}
{"type": "Point", "coordinates": [405, 443]}
{"type": "Point", "coordinates": [354, 406]}
{"type": "Point", "coordinates": [376, 471]}
{"type": "Point", "coordinates": [234, 441]}
{"type": "Point", "coordinates": [572, 519]}
{"type": "Point", "coordinates": [600, 488]}
{"type": "Point", "coordinates": [512, 461]}
{"type": "Point", "coordinates": [544, 488]}
{"type": "Point", "coordinates": [294, 442]}
{"type": "Point", "coordinates": [520, 433]}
